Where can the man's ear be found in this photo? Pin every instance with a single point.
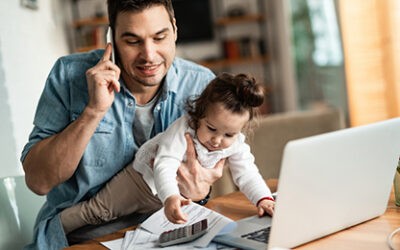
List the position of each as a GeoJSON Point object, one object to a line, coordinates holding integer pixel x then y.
{"type": "Point", "coordinates": [175, 28]}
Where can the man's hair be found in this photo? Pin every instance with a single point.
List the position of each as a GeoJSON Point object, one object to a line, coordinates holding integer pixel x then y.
{"type": "Point", "coordinates": [118, 6]}
{"type": "Point", "coordinates": [237, 93]}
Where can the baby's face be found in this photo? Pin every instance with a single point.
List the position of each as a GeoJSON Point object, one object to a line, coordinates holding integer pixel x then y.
{"type": "Point", "coordinates": [220, 127]}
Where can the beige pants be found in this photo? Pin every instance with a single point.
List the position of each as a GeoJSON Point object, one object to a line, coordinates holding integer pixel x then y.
{"type": "Point", "coordinates": [126, 193]}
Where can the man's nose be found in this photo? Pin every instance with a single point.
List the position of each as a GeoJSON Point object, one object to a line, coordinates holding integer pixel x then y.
{"type": "Point", "coordinates": [148, 51]}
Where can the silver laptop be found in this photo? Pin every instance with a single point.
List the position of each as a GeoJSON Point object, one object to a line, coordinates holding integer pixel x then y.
{"type": "Point", "coordinates": [327, 183]}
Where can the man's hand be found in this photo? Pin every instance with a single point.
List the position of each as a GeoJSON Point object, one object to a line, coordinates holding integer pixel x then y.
{"type": "Point", "coordinates": [102, 82]}
{"type": "Point", "coordinates": [194, 181]}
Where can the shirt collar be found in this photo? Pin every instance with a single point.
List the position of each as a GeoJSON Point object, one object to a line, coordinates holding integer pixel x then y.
{"type": "Point", "coordinates": [171, 80]}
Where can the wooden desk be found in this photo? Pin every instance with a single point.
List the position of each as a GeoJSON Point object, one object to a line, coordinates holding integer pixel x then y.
{"type": "Point", "coordinates": [368, 235]}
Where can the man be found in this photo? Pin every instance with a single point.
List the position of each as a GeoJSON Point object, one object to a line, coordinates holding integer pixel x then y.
{"type": "Point", "coordinates": [87, 129]}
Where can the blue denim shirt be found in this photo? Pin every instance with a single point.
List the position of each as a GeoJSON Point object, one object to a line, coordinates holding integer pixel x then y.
{"type": "Point", "coordinates": [112, 146]}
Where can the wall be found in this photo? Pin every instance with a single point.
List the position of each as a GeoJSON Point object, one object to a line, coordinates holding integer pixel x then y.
{"type": "Point", "coordinates": [30, 42]}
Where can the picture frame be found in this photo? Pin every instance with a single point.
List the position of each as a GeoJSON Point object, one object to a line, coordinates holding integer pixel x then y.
{"type": "Point", "coordinates": [30, 4]}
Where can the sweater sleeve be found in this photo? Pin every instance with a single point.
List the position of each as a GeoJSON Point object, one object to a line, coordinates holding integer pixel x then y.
{"type": "Point", "coordinates": [246, 175]}
{"type": "Point", "coordinates": [169, 156]}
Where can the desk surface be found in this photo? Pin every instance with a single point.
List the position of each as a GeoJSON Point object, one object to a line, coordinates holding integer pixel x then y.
{"type": "Point", "coordinates": [368, 235]}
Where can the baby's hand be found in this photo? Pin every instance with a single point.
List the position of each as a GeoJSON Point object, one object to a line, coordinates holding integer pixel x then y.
{"type": "Point", "coordinates": [267, 206]}
{"type": "Point", "coordinates": [173, 210]}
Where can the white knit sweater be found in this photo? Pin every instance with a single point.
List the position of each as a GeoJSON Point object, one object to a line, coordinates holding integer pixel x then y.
{"type": "Point", "coordinates": [168, 151]}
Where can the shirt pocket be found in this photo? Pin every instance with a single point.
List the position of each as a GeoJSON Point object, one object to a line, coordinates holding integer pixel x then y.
{"type": "Point", "coordinates": [97, 153]}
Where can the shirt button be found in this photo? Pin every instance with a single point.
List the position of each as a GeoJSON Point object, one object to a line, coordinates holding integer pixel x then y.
{"type": "Point", "coordinates": [158, 107]}
{"type": "Point", "coordinates": [130, 104]}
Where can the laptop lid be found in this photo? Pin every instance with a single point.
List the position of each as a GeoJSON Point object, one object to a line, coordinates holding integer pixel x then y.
{"type": "Point", "coordinates": [333, 181]}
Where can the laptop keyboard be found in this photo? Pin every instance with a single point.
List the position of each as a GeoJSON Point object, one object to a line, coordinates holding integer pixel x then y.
{"type": "Point", "coordinates": [261, 235]}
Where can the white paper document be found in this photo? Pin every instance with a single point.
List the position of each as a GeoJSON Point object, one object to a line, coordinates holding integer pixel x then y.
{"type": "Point", "coordinates": [146, 236]}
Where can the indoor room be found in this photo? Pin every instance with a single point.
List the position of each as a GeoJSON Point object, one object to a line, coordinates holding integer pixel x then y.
{"type": "Point", "coordinates": [325, 66]}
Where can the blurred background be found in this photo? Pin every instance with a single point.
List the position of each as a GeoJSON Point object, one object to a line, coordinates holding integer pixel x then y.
{"type": "Point", "coordinates": [308, 53]}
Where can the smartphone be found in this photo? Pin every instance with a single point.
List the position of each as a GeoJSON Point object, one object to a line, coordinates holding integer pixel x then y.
{"type": "Point", "coordinates": [109, 39]}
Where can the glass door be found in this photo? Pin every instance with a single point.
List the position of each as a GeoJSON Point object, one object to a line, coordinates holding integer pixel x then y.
{"type": "Point", "coordinates": [318, 54]}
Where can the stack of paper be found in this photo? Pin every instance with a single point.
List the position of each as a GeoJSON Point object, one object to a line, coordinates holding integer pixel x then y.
{"type": "Point", "coordinates": [146, 235]}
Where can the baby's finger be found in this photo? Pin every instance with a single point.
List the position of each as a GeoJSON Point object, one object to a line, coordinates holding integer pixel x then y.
{"type": "Point", "coordinates": [270, 210]}
{"type": "Point", "coordinates": [180, 217]}
{"type": "Point", "coordinates": [260, 211]}
{"type": "Point", "coordinates": [185, 202]}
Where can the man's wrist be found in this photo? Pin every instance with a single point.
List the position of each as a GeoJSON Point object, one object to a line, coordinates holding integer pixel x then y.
{"type": "Point", "coordinates": [205, 200]}
{"type": "Point", "coordinates": [92, 113]}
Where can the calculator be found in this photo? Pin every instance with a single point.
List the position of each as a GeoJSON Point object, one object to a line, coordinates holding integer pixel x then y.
{"type": "Point", "coordinates": [183, 234]}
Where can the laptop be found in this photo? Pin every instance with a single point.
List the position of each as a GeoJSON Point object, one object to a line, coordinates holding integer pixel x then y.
{"type": "Point", "coordinates": [327, 183]}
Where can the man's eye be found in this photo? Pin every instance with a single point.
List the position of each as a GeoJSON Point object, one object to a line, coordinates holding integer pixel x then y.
{"type": "Point", "coordinates": [160, 38]}
{"type": "Point", "coordinates": [229, 135]}
{"type": "Point", "coordinates": [133, 42]}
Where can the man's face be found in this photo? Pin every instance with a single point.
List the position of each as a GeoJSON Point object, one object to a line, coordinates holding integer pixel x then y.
{"type": "Point", "coordinates": [146, 46]}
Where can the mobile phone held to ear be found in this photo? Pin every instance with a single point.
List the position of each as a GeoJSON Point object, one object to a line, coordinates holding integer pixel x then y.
{"type": "Point", "coordinates": [109, 39]}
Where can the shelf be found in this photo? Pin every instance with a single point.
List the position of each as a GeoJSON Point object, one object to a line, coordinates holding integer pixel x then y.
{"type": "Point", "coordinates": [221, 21]}
{"type": "Point", "coordinates": [91, 22]}
{"type": "Point", "coordinates": [239, 20]}
{"type": "Point", "coordinates": [88, 48]}
{"type": "Point", "coordinates": [221, 63]}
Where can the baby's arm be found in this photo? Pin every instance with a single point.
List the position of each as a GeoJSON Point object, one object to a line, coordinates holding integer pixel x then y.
{"type": "Point", "coordinates": [173, 210]}
{"type": "Point", "coordinates": [247, 177]}
{"type": "Point", "coordinates": [266, 205]}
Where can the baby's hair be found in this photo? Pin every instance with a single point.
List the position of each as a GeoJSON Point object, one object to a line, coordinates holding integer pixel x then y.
{"type": "Point", "coordinates": [237, 93]}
